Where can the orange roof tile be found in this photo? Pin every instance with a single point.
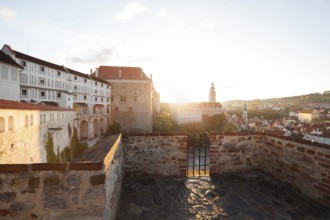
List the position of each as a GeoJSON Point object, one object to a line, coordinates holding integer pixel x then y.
{"type": "Point", "coordinates": [7, 104]}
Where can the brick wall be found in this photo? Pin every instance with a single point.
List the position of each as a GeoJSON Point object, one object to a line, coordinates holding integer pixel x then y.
{"type": "Point", "coordinates": [89, 189]}
{"type": "Point", "coordinates": [155, 154]}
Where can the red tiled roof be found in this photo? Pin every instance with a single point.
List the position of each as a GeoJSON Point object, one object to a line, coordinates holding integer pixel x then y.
{"type": "Point", "coordinates": [6, 59]}
{"type": "Point", "coordinates": [7, 104]}
{"type": "Point", "coordinates": [113, 72]}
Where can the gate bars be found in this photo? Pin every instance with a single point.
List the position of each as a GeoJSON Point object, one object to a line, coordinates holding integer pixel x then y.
{"type": "Point", "coordinates": [198, 155]}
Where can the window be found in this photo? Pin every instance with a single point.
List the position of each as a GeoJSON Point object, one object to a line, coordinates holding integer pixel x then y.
{"type": "Point", "coordinates": [41, 68]}
{"type": "Point", "coordinates": [42, 94]}
{"type": "Point", "coordinates": [26, 121]}
{"type": "Point", "coordinates": [112, 98]}
{"type": "Point", "coordinates": [75, 87]}
{"type": "Point", "coordinates": [2, 124]}
{"type": "Point", "coordinates": [95, 83]}
{"type": "Point", "coordinates": [101, 84]}
{"type": "Point", "coordinates": [23, 63]}
{"type": "Point", "coordinates": [24, 92]}
{"type": "Point", "coordinates": [85, 97]}
{"type": "Point", "coordinates": [11, 123]}
{"type": "Point", "coordinates": [40, 118]}
{"type": "Point", "coordinates": [95, 91]}
{"type": "Point", "coordinates": [75, 77]}
{"type": "Point", "coordinates": [107, 86]}
{"type": "Point", "coordinates": [58, 95]}
{"type": "Point", "coordinates": [41, 81]}
{"type": "Point", "coordinates": [102, 99]}
{"type": "Point", "coordinates": [122, 98]}
{"type": "Point", "coordinates": [95, 99]}
{"type": "Point", "coordinates": [85, 80]}
{"type": "Point", "coordinates": [58, 73]}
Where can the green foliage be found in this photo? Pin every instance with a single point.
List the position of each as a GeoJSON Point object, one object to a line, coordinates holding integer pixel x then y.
{"type": "Point", "coordinates": [67, 153]}
{"type": "Point", "coordinates": [163, 123]}
{"type": "Point", "coordinates": [51, 156]}
{"type": "Point", "coordinates": [75, 146]}
{"type": "Point", "coordinates": [213, 123]}
{"type": "Point", "coordinates": [115, 128]}
{"type": "Point", "coordinates": [230, 127]}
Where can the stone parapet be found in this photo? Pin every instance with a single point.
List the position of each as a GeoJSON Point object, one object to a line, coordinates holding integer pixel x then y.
{"type": "Point", "coordinates": [155, 154]}
{"type": "Point", "coordinates": [71, 190]}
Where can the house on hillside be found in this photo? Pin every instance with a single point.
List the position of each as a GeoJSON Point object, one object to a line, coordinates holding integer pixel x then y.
{"type": "Point", "coordinates": [308, 115]}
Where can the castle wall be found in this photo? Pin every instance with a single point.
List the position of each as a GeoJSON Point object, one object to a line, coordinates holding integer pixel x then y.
{"type": "Point", "coordinates": [26, 141]}
{"type": "Point", "coordinates": [76, 190]}
{"type": "Point", "coordinates": [155, 154]}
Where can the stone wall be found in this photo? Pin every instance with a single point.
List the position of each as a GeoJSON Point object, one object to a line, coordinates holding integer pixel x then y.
{"type": "Point", "coordinates": [303, 165]}
{"type": "Point", "coordinates": [155, 154]}
{"type": "Point", "coordinates": [76, 190]}
{"type": "Point", "coordinates": [233, 151]}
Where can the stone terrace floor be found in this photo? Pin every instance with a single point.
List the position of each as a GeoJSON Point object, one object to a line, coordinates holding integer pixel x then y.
{"type": "Point", "coordinates": [247, 195]}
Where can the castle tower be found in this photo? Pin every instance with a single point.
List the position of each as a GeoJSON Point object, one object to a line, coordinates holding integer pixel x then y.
{"type": "Point", "coordinates": [212, 95]}
{"type": "Point", "coordinates": [245, 114]}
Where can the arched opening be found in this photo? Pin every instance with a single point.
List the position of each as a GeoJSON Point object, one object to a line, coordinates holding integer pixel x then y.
{"type": "Point", "coordinates": [96, 128]}
{"type": "Point", "coordinates": [2, 124]}
{"type": "Point", "coordinates": [83, 130]}
{"type": "Point", "coordinates": [102, 126]}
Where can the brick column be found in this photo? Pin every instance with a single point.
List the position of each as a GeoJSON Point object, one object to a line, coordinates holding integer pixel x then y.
{"type": "Point", "coordinates": [215, 145]}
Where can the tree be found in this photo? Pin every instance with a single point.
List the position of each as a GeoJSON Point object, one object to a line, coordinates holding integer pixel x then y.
{"type": "Point", "coordinates": [163, 123]}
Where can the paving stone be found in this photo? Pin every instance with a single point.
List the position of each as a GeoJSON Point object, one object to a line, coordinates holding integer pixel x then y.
{"type": "Point", "coordinates": [245, 195]}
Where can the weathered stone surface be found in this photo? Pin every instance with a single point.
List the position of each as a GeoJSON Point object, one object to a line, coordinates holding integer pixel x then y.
{"type": "Point", "coordinates": [7, 196]}
{"type": "Point", "coordinates": [19, 206]}
{"type": "Point", "coordinates": [97, 179]}
{"type": "Point", "coordinates": [34, 182]}
{"type": "Point", "coordinates": [51, 181]}
{"type": "Point", "coordinates": [73, 180]}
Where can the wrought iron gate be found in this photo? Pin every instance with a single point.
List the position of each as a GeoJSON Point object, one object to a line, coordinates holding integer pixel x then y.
{"type": "Point", "coordinates": [198, 155]}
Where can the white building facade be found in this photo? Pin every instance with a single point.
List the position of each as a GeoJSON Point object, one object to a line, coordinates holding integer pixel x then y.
{"type": "Point", "coordinates": [9, 78]}
{"type": "Point", "coordinates": [52, 84]}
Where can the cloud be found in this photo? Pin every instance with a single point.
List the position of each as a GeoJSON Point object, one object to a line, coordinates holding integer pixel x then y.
{"type": "Point", "coordinates": [91, 56]}
{"type": "Point", "coordinates": [130, 11]}
{"type": "Point", "coordinates": [6, 14]}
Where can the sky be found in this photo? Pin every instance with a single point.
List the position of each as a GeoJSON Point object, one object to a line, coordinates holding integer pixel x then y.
{"type": "Point", "coordinates": [249, 49]}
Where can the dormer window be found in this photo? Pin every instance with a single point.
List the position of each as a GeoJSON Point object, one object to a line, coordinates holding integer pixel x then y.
{"type": "Point", "coordinates": [23, 63]}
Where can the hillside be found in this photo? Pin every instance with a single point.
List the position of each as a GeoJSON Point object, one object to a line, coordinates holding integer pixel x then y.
{"type": "Point", "coordinates": [308, 99]}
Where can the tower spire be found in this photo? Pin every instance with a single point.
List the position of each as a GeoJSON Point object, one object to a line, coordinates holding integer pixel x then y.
{"type": "Point", "coordinates": [212, 94]}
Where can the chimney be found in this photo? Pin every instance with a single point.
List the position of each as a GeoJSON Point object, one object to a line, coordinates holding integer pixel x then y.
{"type": "Point", "coordinates": [119, 73]}
{"type": "Point", "coordinates": [97, 72]}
